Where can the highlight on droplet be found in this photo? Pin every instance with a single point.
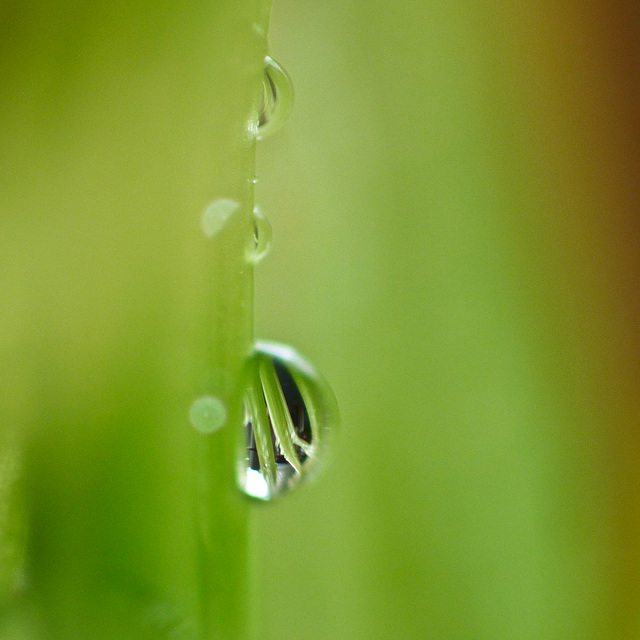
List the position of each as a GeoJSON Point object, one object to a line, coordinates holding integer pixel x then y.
{"type": "Point", "coordinates": [291, 416]}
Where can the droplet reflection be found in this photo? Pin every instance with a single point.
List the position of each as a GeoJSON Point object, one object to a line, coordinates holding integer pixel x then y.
{"type": "Point", "coordinates": [260, 242]}
{"type": "Point", "coordinates": [277, 98]}
{"type": "Point", "coordinates": [290, 416]}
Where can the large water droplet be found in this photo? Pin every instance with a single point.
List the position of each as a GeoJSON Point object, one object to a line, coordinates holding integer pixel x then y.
{"type": "Point", "coordinates": [290, 416]}
{"type": "Point", "coordinates": [260, 242]}
{"type": "Point", "coordinates": [277, 98]}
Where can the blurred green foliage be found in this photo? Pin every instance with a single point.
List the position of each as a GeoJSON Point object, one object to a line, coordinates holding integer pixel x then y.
{"type": "Point", "coordinates": [454, 204]}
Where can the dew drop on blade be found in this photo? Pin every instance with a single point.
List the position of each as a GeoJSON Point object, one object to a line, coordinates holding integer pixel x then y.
{"type": "Point", "coordinates": [260, 242]}
{"type": "Point", "coordinates": [291, 416]}
{"type": "Point", "coordinates": [277, 98]}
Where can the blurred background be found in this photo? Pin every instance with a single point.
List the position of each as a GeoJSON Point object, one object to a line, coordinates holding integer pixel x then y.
{"type": "Point", "coordinates": [455, 203]}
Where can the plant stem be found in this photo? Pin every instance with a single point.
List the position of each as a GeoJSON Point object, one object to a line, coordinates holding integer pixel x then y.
{"type": "Point", "coordinates": [121, 125]}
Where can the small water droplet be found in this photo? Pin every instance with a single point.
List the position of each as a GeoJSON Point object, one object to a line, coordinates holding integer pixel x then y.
{"type": "Point", "coordinates": [290, 416]}
{"type": "Point", "coordinates": [277, 98]}
{"type": "Point", "coordinates": [261, 238]}
{"type": "Point", "coordinates": [208, 414]}
{"type": "Point", "coordinates": [217, 214]}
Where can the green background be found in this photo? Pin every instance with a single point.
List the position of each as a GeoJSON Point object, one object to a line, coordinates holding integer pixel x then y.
{"type": "Point", "coordinates": [455, 213]}
{"type": "Point", "coordinates": [454, 203]}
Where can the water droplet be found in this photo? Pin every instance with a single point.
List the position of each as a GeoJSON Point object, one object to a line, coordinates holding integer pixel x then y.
{"type": "Point", "coordinates": [208, 414]}
{"type": "Point", "coordinates": [261, 238]}
{"type": "Point", "coordinates": [217, 214]}
{"type": "Point", "coordinates": [290, 416]}
{"type": "Point", "coordinates": [277, 98]}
